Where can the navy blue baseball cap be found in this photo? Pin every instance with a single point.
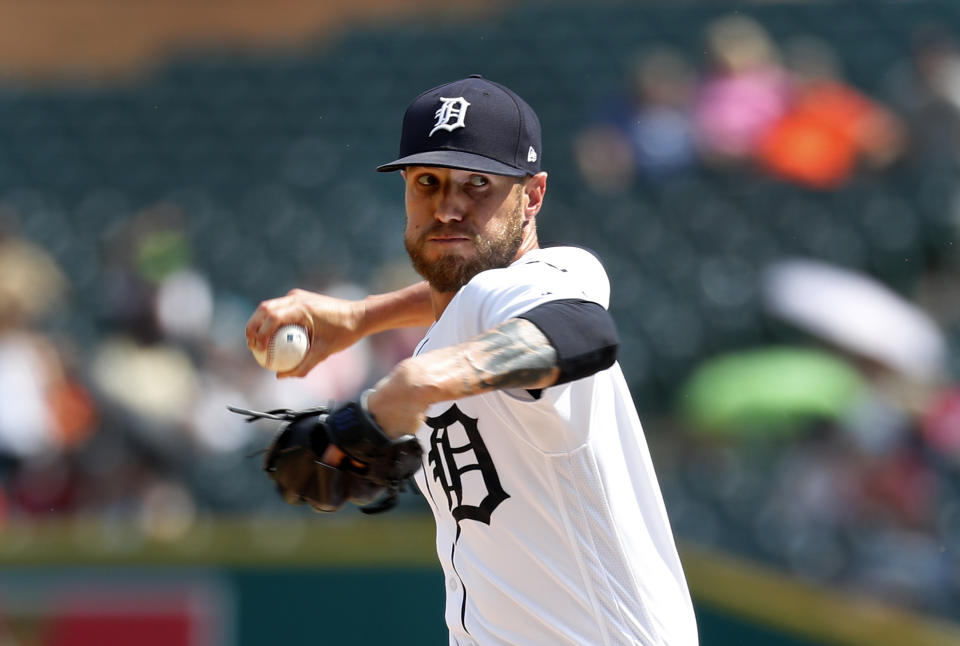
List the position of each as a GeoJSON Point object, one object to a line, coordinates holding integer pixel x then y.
{"type": "Point", "coordinates": [470, 124]}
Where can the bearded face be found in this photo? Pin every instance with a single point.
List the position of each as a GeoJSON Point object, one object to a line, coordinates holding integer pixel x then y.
{"type": "Point", "coordinates": [448, 266]}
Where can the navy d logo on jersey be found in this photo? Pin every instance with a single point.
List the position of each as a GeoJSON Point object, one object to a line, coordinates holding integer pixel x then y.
{"type": "Point", "coordinates": [451, 114]}
{"type": "Point", "coordinates": [462, 466]}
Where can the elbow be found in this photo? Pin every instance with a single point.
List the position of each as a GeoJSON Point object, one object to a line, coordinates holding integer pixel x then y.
{"type": "Point", "coordinates": [583, 334]}
{"type": "Point", "coordinates": [598, 358]}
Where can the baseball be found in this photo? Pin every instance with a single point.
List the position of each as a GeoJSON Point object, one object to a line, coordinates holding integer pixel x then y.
{"type": "Point", "coordinates": [286, 349]}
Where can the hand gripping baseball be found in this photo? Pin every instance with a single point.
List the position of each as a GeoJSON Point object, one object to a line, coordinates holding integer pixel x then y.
{"type": "Point", "coordinates": [372, 477]}
{"type": "Point", "coordinates": [331, 324]}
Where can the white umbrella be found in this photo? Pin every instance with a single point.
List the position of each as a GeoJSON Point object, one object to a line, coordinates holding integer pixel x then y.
{"type": "Point", "coordinates": [856, 313]}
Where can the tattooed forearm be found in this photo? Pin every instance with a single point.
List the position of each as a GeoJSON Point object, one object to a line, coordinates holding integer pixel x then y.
{"type": "Point", "coordinates": [515, 354]}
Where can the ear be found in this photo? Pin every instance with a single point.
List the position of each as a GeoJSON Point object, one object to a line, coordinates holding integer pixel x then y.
{"type": "Point", "coordinates": [535, 188]}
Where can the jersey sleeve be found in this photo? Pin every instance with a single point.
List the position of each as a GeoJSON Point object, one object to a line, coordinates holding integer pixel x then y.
{"type": "Point", "coordinates": [541, 276]}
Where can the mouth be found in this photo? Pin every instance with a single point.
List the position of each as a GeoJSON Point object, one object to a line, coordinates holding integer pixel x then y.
{"type": "Point", "coordinates": [448, 238]}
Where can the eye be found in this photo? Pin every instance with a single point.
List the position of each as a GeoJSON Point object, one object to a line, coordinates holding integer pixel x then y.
{"type": "Point", "coordinates": [478, 180]}
{"type": "Point", "coordinates": [426, 180]}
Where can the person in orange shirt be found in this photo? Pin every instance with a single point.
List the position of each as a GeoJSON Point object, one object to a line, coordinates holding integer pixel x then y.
{"type": "Point", "coordinates": [829, 128]}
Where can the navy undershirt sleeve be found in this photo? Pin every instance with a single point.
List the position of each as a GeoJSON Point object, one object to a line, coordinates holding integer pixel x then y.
{"type": "Point", "coordinates": [583, 334]}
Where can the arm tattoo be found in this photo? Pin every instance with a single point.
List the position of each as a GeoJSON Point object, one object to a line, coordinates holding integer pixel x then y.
{"type": "Point", "coordinates": [514, 354]}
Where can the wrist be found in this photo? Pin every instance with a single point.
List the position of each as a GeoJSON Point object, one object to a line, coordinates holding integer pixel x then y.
{"type": "Point", "coordinates": [398, 402]}
{"type": "Point", "coordinates": [414, 378]}
{"type": "Point", "coordinates": [358, 317]}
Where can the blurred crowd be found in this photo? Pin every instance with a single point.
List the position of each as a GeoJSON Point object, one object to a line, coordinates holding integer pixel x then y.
{"type": "Point", "coordinates": [835, 452]}
{"type": "Point", "coordinates": [783, 110]}
{"type": "Point", "coordinates": [836, 457]}
{"type": "Point", "coordinates": [135, 425]}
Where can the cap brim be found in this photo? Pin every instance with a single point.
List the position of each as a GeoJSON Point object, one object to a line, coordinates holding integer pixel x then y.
{"type": "Point", "coordinates": [453, 159]}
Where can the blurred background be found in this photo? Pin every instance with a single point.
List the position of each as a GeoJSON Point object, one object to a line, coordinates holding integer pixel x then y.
{"type": "Point", "coordinates": [774, 188]}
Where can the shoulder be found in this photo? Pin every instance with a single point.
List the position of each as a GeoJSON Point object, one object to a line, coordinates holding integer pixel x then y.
{"type": "Point", "coordinates": [566, 259]}
{"type": "Point", "coordinates": [566, 263]}
{"type": "Point", "coordinates": [540, 275]}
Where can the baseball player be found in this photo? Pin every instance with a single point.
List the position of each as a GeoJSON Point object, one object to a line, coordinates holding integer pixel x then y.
{"type": "Point", "coordinates": [551, 528]}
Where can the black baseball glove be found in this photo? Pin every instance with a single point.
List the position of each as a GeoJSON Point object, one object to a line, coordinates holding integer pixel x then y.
{"type": "Point", "coordinates": [375, 470]}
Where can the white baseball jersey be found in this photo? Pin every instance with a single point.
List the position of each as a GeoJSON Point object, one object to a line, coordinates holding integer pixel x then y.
{"type": "Point", "coordinates": [551, 529]}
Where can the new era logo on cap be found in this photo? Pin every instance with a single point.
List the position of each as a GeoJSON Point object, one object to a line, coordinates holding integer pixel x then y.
{"type": "Point", "coordinates": [472, 124]}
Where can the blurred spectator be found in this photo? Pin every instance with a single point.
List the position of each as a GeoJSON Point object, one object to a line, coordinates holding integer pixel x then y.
{"type": "Point", "coordinates": [139, 254]}
{"type": "Point", "coordinates": [184, 305]}
{"type": "Point", "coordinates": [137, 366]}
{"type": "Point", "coordinates": [940, 423]}
{"type": "Point", "coordinates": [853, 312]}
{"type": "Point", "coordinates": [228, 375]}
{"type": "Point", "coordinates": [828, 127]}
{"type": "Point", "coordinates": [44, 410]}
{"type": "Point", "coordinates": [926, 90]}
{"type": "Point", "coordinates": [153, 382]}
{"type": "Point", "coordinates": [647, 131]}
{"type": "Point", "coordinates": [745, 90]}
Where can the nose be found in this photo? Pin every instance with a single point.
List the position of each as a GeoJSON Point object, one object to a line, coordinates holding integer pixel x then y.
{"type": "Point", "coordinates": [451, 206]}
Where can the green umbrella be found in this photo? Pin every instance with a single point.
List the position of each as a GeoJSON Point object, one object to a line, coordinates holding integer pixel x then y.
{"type": "Point", "coordinates": [768, 390]}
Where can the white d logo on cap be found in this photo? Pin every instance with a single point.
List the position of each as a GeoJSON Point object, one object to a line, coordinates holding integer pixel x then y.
{"type": "Point", "coordinates": [450, 114]}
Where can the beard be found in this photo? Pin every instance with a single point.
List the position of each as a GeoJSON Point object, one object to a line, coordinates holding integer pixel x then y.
{"type": "Point", "coordinates": [452, 271]}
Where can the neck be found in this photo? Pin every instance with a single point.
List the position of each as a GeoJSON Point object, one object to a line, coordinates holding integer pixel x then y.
{"type": "Point", "coordinates": [439, 301]}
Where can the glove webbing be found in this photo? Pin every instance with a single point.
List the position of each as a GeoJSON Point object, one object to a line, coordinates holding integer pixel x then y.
{"type": "Point", "coordinates": [279, 414]}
